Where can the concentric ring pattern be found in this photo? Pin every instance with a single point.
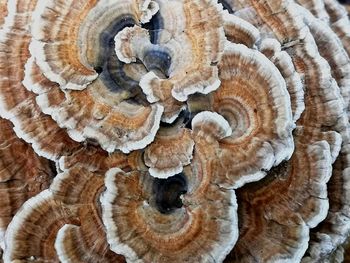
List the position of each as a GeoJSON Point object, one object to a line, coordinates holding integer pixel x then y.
{"type": "Point", "coordinates": [174, 131]}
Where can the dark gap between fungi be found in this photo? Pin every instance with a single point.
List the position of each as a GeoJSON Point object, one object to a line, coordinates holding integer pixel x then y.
{"type": "Point", "coordinates": [167, 193]}
{"type": "Point", "coordinates": [168, 125]}
{"type": "Point", "coordinates": [53, 168]}
{"type": "Point", "coordinates": [185, 118]}
{"type": "Point", "coordinates": [154, 26]}
{"type": "Point", "coordinates": [226, 6]}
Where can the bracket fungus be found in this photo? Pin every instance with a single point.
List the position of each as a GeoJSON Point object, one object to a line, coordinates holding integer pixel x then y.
{"type": "Point", "coordinates": [23, 174]}
{"type": "Point", "coordinates": [168, 220]}
{"type": "Point", "coordinates": [174, 131]}
{"type": "Point", "coordinates": [62, 223]}
{"type": "Point", "coordinates": [170, 151]}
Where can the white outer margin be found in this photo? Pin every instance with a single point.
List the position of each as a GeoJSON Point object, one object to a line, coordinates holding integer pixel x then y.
{"type": "Point", "coordinates": [106, 200]}
{"type": "Point", "coordinates": [207, 117]}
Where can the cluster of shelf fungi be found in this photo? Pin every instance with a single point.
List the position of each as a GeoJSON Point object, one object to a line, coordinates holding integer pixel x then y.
{"type": "Point", "coordinates": [174, 131]}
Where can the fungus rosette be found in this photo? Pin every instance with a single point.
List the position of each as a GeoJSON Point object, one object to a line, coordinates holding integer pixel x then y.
{"type": "Point", "coordinates": [174, 131]}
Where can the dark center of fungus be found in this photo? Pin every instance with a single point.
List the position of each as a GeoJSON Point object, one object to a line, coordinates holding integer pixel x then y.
{"type": "Point", "coordinates": [154, 27]}
{"type": "Point", "coordinates": [159, 61]}
{"type": "Point", "coordinates": [168, 193]}
{"type": "Point", "coordinates": [109, 68]}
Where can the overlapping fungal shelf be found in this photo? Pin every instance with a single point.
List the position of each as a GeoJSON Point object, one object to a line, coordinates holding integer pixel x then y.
{"type": "Point", "coordinates": [174, 131]}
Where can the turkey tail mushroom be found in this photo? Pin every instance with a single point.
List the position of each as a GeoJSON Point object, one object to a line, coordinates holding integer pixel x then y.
{"type": "Point", "coordinates": [62, 223]}
{"type": "Point", "coordinates": [324, 105]}
{"type": "Point", "coordinates": [271, 48]}
{"type": "Point", "coordinates": [169, 152]}
{"type": "Point", "coordinates": [254, 100]}
{"type": "Point", "coordinates": [182, 60]}
{"type": "Point", "coordinates": [16, 103]}
{"type": "Point", "coordinates": [174, 131]}
{"type": "Point", "coordinates": [283, 206]}
{"type": "Point", "coordinates": [80, 190]}
{"type": "Point", "coordinates": [171, 220]}
{"type": "Point", "coordinates": [23, 174]}
{"type": "Point", "coordinates": [56, 44]}
{"type": "Point", "coordinates": [92, 106]}
{"type": "Point", "coordinates": [239, 31]}
{"type": "Point", "coordinates": [200, 227]}
{"type": "Point", "coordinates": [31, 234]}
{"type": "Point", "coordinates": [339, 22]}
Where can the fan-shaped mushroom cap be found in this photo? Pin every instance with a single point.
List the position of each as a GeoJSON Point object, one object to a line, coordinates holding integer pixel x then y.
{"type": "Point", "coordinates": [80, 190]}
{"type": "Point", "coordinates": [97, 160]}
{"type": "Point", "coordinates": [276, 212]}
{"type": "Point", "coordinates": [272, 49]}
{"type": "Point", "coordinates": [334, 230]}
{"type": "Point", "coordinates": [320, 110]}
{"type": "Point", "coordinates": [126, 126]}
{"type": "Point", "coordinates": [179, 55]}
{"type": "Point", "coordinates": [331, 49]}
{"type": "Point", "coordinates": [183, 56]}
{"type": "Point", "coordinates": [186, 217]}
{"type": "Point", "coordinates": [40, 229]}
{"type": "Point", "coordinates": [324, 105]}
{"type": "Point", "coordinates": [331, 232]}
{"type": "Point", "coordinates": [323, 101]}
{"type": "Point", "coordinates": [170, 151]}
{"type": "Point", "coordinates": [239, 31]}
{"type": "Point", "coordinates": [31, 233]}
{"type": "Point", "coordinates": [132, 44]}
{"type": "Point", "coordinates": [146, 223]}
{"type": "Point", "coordinates": [211, 125]}
{"type": "Point", "coordinates": [57, 44]}
{"type": "Point", "coordinates": [111, 110]}
{"type": "Point", "coordinates": [18, 104]}
{"type": "Point", "coordinates": [23, 174]}
{"type": "Point", "coordinates": [71, 247]}
{"type": "Point", "coordinates": [254, 100]}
